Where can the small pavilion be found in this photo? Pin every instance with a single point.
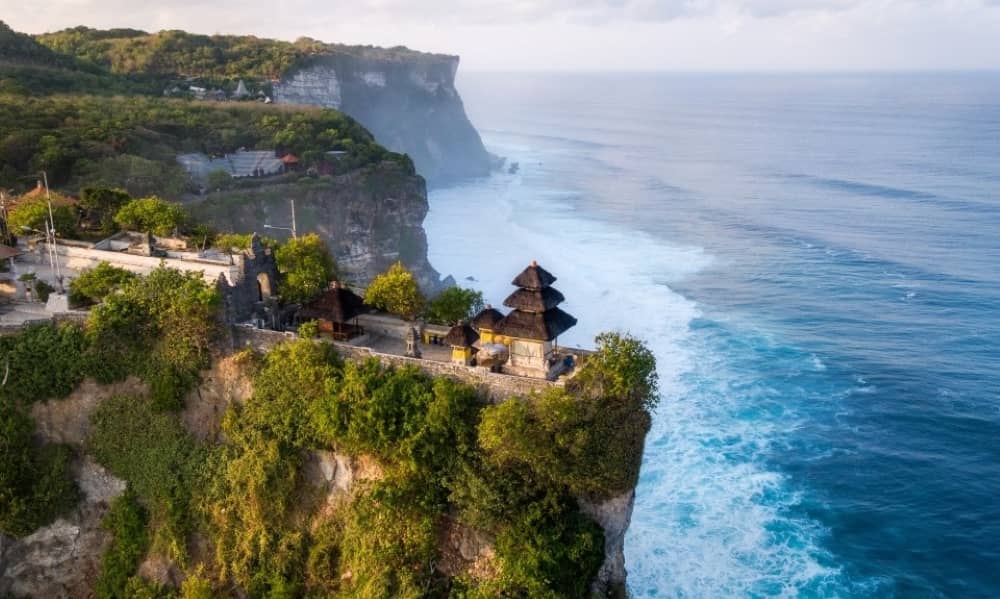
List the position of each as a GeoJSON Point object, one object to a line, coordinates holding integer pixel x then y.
{"type": "Point", "coordinates": [461, 338]}
{"type": "Point", "coordinates": [337, 311]}
{"type": "Point", "coordinates": [486, 323]}
{"type": "Point", "coordinates": [534, 324]}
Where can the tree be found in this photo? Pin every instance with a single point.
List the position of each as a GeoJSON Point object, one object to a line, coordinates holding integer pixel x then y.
{"type": "Point", "coordinates": [94, 284]}
{"type": "Point", "coordinates": [396, 291]}
{"type": "Point", "coordinates": [454, 304]}
{"type": "Point", "coordinates": [218, 179]}
{"type": "Point", "coordinates": [101, 204]}
{"type": "Point", "coordinates": [152, 215]}
{"type": "Point", "coordinates": [34, 214]}
{"type": "Point", "coordinates": [306, 268]}
{"type": "Point", "coordinates": [241, 241]}
{"type": "Point", "coordinates": [589, 435]}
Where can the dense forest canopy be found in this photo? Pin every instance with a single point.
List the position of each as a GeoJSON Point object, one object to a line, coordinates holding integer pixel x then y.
{"type": "Point", "coordinates": [180, 53]}
{"type": "Point", "coordinates": [133, 142]}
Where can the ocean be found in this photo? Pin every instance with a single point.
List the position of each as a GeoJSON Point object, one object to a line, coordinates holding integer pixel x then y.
{"type": "Point", "coordinates": [815, 260]}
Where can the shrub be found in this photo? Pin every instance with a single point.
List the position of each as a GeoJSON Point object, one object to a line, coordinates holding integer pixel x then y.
{"type": "Point", "coordinates": [396, 291]}
{"type": "Point", "coordinates": [454, 304]}
{"type": "Point", "coordinates": [588, 437]}
{"type": "Point", "coordinates": [101, 204]}
{"type": "Point", "coordinates": [94, 284]}
{"type": "Point", "coordinates": [43, 290]}
{"type": "Point", "coordinates": [43, 361]}
{"type": "Point", "coordinates": [153, 452]}
{"type": "Point", "coordinates": [160, 327]}
{"type": "Point", "coordinates": [34, 215]}
{"type": "Point", "coordinates": [260, 469]}
{"type": "Point", "coordinates": [389, 542]}
{"type": "Point", "coordinates": [36, 485]}
{"type": "Point", "coordinates": [309, 329]}
{"type": "Point", "coordinates": [151, 215]}
{"type": "Point", "coordinates": [306, 268]}
{"type": "Point", "coordinates": [126, 521]}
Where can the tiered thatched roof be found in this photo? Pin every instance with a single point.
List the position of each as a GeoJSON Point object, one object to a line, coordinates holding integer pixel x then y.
{"type": "Point", "coordinates": [544, 326]}
{"type": "Point", "coordinates": [535, 314]}
{"type": "Point", "coordinates": [533, 277]}
{"type": "Point", "coordinates": [337, 304]}
{"type": "Point", "coordinates": [487, 318]}
{"type": "Point", "coordinates": [461, 335]}
{"type": "Point", "coordinates": [534, 300]}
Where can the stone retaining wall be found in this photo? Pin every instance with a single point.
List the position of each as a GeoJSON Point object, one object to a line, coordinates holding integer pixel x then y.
{"type": "Point", "coordinates": [493, 386]}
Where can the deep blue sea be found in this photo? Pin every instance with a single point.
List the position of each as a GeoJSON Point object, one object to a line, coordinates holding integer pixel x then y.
{"type": "Point", "coordinates": [816, 262]}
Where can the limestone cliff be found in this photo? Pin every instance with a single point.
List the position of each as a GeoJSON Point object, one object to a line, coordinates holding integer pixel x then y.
{"type": "Point", "coordinates": [369, 218]}
{"type": "Point", "coordinates": [406, 99]}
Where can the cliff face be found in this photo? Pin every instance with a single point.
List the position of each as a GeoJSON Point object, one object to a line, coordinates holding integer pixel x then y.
{"type": "Point", "coordinates": [407, 100]}
{"type": "Point", "coordinates": [369, 218]}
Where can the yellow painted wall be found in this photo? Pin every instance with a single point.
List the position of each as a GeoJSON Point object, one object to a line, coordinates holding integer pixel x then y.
{"type": "Point", "coordinates": [461, 355]}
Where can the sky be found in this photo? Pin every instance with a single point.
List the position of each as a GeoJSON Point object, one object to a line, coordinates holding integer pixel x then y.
{"type": "Point", "coordinates": [601, 35]}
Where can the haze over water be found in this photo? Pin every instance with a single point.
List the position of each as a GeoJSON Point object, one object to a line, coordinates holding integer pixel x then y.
{"type": "Point", "coordinates": [815, 261]}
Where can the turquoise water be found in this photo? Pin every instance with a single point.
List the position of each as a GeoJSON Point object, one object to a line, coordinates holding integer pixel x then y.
{"type": "Point", "coordinates": [815, 261]}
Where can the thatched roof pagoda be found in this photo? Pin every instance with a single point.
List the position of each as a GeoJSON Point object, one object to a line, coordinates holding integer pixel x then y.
{"type": "Point", "coordinates": [535, 312]}
{"type": "Point", "coordinates": [335, 310]}
{"type": "Point", "coordinates": [541, 326]}
{"type": "Point", "coordinates": [533, 277]}
{"type": "Point", "coordinates": [487, 318]}
{"type": "Point", "coordinates": [461, 335]}
{"type": "Point", "coordinates": [336, 304]}
{"type": "Point", "coordinates": [460, 338]}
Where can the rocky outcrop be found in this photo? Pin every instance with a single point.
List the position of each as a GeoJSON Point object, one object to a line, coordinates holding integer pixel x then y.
{"type": "Point", "coordinates": [614, 516]}
{"type": "Point", "coordinates": [61, 560]}
{"type": "Point", "coordinates": [67, 420]}
{"type": "Point", "coordinates": [369, 218]}
{"type": "Point", "coordinates": [406, 99]}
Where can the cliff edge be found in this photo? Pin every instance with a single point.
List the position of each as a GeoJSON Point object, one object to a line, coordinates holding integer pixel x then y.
{"type": "Point", "coordinates": [408, 101]}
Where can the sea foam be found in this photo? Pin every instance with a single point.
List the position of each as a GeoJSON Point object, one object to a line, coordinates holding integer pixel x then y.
{"type": "Point", "coordinates": [711, 519]}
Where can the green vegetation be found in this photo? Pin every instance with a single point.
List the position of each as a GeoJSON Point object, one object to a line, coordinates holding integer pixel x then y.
{"type": "Point", "coordinates": [35, 482]}
{"type": "Point", "coordinates": [94, 284]}
{"type": "Point", "coordinates": [126, 521]}
{"type": "Point", "coordinates": [100, 205]}
{"type": "Point", "coordinates": [178, 52]}
{"type": "Point", "coordinates": [240, 241]}
{"type": "Point", "coordinates": [306, 268]}
{"type": "Point", "coordinates": [159, 459]}
{"type": "Point", "coordinates": [41, 362]}
{"type": "Point", "coordinates": [438, 459]}
{"type": "Point", "coordinates": [132, 143]}
{"type": "Point", "coordinates": [589, 436]}
{"type": "Point", "coordinates": [396, 291]}
{"type": "Point", "coordinates": [159, 327]}
{"type": "Point", "coordinates": [151, 215]}
{"type": "Point", "coordinates": [454, 304]}
{"type": "Point", "coordinates": [32, 216]}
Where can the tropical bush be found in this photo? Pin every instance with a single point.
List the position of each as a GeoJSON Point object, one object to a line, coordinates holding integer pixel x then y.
{"type": "Point", "coordinates": [160, 327]}
{"type": "Point", "coordinates": [396, 291]}
{"type": "Point", "coordinates": [126, 521]}
{"type": "Point", "coordinates": [588, 436]}
{"type": "Point", "coordinates": [152, 215]}
{"type": "Point", "coordinates": [35, 481]}
{"type": "Point", "coordinates": [94, 284]}
{"type": "Point", "coordinates": [306, 268]}
{"type": "Point", "coordinates": [161, 462]}
{"type": "Point", "coordinates": [454, 304]}
{"type": "Point", "coordinates": [33, 216]}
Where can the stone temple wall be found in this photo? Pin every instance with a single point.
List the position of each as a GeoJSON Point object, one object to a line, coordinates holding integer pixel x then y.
{"type": "Point", "coordinates": [494, 387]}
